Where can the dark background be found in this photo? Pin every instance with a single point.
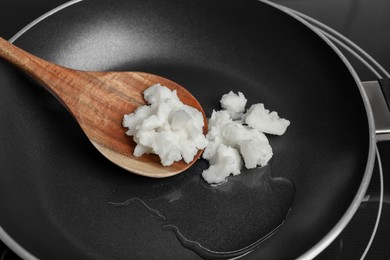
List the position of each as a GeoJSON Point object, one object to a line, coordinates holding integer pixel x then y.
{"type": "Point", "coordinates": [365, 22]}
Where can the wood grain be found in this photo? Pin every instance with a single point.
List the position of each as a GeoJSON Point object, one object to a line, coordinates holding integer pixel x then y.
{"type": "Point", "coordinates": [98, 101]}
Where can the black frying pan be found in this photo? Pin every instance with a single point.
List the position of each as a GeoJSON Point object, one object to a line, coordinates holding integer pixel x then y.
{"type": "Point", "coordinates": [60, 199]}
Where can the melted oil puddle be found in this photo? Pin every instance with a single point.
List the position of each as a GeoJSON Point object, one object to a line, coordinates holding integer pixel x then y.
{"type": "Point", "coordinates": [225, 221]}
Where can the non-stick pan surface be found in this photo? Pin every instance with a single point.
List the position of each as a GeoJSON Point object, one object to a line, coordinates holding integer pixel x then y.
{"type": "Point", "coordinates": [60, 199]}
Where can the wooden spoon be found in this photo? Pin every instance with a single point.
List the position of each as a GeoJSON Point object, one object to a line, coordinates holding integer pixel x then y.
{"type": "Point", "coordinates": [98, 101]}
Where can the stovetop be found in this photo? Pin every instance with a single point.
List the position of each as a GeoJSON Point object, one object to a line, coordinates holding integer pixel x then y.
{"type": "Point", "coordinates": [365, 23]}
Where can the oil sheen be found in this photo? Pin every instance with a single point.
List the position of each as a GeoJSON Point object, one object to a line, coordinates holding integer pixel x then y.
{"type": "Point", "coordinates": [228, 220]}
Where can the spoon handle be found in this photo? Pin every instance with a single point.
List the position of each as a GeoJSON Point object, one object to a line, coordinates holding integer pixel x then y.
{"type": "Point", "coordinates": [17, 56]}
{"type": "Point", "coordinates": [72, 88]}
{"type": "Point", "coordinates": [23, 60]}
{"type": "Point", "coordinates": [67, 85]}
{"type": "Point", "coordinates": [44, 72]}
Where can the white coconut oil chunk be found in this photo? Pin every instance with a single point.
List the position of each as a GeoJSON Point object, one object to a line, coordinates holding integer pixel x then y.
{"type": "Point", "coordinates": [262, 119]}
{"type": "Point", "coordinates": [234, 104]}
{"type": "Point", "coordinates": [235, 139]}
{"type": "Point", "coordinates": [166, 127]}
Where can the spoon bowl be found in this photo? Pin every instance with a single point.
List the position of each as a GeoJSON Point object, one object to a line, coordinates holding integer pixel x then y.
{"type": "Point", "coordinates": [98, 101]}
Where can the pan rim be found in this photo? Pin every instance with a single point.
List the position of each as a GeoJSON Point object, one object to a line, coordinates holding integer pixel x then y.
{"type": "Point", "coordinates": [4, 236]}
{"type": "Point", "coordinates": [351, 210]}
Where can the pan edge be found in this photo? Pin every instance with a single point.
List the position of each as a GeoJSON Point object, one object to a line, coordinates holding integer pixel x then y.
{"type": "Point", "coordinates": [350, 212]}
{"type": "Point", "coordinates": [4, 237]}
{"type": "Point", "coordinates": [323, 243]}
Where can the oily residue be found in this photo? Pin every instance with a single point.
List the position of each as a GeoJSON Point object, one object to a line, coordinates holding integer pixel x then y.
{"type": "Point", "coordinates": [225, 221]}
{"type": "Point", "coordinates": [127, 202]}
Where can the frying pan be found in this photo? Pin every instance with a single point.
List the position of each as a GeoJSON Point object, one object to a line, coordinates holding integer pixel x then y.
{"type": "Point", "coordinates": [60, 199]}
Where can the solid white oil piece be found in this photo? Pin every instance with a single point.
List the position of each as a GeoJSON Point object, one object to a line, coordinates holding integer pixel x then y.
{"type": "Point", "coordinates": [174, 131]}
{"type": "Point", "coordinates": [237, 139]}
{"type": "Point", "coordinates": [262, 119]}
{"type": "Point", "coordinates": [234, 104]}
{"type": "Point", "coordinates": [166, 127]}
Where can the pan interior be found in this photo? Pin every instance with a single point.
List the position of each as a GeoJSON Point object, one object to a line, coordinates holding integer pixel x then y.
{"type": "Point", "coordinates": [55, 189]}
